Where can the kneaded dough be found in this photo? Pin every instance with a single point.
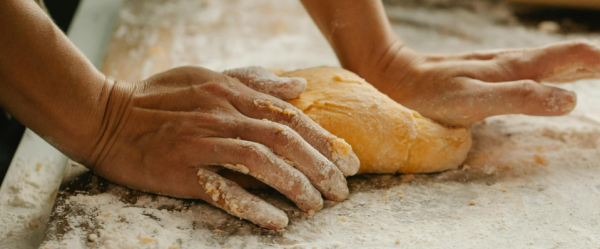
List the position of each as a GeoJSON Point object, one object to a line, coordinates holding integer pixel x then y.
{"type": "Point", "coordinates": [386, 136]}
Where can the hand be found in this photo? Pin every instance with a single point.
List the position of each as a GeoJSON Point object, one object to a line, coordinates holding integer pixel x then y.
{"type": "Point", "coordinates": [171, 133]}
{"type": "Point", "coordinates": [461, 89]}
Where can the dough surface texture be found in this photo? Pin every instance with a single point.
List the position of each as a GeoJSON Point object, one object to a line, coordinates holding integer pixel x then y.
{"type": "Point", "coordinates": [386, 136]}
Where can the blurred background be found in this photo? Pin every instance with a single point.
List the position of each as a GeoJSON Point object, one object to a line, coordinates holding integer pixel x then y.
{"type": "Point", "coordinates": [553, 16]}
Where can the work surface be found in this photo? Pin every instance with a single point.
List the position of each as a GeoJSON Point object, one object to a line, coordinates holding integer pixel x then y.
{"type": "Point", "coordinates": [528, 181]}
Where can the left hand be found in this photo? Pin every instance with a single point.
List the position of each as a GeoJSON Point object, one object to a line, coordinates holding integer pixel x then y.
{"type": "Point", "coordinates": [172, 133]}
{"type": "Point", "coordinates": [461, 89]}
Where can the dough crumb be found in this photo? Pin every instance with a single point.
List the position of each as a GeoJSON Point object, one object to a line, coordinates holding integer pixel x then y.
{"type": "Point", "coordinates": [38, 167]}
{"type": "Point", "coordinates": [472, 203]}
{"type": "Point", "coordinates": [288, 161]}
{"type": "Point", "coordinates": [338, 77]}
{"type": "Point", "coordinates": [399, 192]}
{"type": "Point", "coordinates": [342, 219]}
{"type": "Point", "coordinates": [504, 190]}
{"type": "Point", "coordinates": [339, 148]}
{"type": "Point", "coordinates": [217, 231]}
{"type": "Point", "coordinates": [280, 128]}
{"type": "Point", "coordinates": [269, 105]}
{"type": "Point", "coordinates": [237, 167]}
{"type": "Point", "coordinates": [465, 167]}
{"type": "Point", "coordinates": [397, 241]}
{"type": "Point", "coordinates": [34, 224]}
{"type": "Point", "coordinates": [92, 237]}
{"type": "Point", "coordinates": [311, 212]}
{"type": "Point", "coordinates": [146, 240]}
{"type": "Point", "coordinates": [541, 160]}
{"type": "Point", "coordinates": [386, 198]}
{"type": "Point", "coordinates": [549, 27]}
{"type": "Point", "coordinates": [289, 112]}
{"type": "Point", "coordinates": [342, 78]}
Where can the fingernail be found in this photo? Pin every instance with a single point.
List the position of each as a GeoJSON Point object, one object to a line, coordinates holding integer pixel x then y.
{"type": "Point", "coordinates": [343, 156]}
{"type": "Point", "coordinates": [236, 201]}
{"type": "Point", "coordinates": [310, 199]}
{"type": "Point", "coordinates": [263, 214]}
{"type": "Point", "coordinates": [274, 219]}
{"type": "Point", "coordinates": [569, 101]}
{"type": "Point", "coordinates": [339, 189]}
{"type": "Point", "coordinates": [349, 165]}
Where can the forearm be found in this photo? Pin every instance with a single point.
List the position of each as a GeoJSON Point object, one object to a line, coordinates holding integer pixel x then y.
{"type": "Point", "coordinates": [46, 83]}
{"type": "Point", "coordinates": [358, 30]}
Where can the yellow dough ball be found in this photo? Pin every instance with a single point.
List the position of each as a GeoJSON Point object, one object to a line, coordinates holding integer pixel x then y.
{"type": "Point", "coordinates": [386, 136]}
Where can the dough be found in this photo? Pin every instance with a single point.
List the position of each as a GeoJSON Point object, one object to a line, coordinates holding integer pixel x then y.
{"type": "Point", "coordinates": [386, 136]}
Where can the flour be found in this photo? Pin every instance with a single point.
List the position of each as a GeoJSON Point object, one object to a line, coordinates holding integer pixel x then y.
{"type": "Point", "coordinates": [519, 203]}
{"type": "Point", "coordinates": [27, 200]}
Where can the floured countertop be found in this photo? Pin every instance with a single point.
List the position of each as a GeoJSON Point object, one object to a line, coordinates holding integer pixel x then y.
{"type": "Point", "coordinates": [528, 181]}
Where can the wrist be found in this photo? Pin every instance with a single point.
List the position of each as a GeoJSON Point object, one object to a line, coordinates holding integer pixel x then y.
{"type": "Point", "coordinates": [390, 69]}
{"type": "Point", "coordinates": [380, 62]}
{"type": "Point", "coordinates": [358, 55]}
{"type": "Point", "coordinates": [114, 107]}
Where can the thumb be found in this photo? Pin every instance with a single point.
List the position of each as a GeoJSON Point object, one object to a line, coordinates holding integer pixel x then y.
{"type": "Point", "coordinates": [265, 81]}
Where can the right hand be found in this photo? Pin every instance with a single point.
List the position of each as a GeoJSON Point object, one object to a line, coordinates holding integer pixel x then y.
{"type": "Point", "coordinates": [171, 133]}
{"type": "Point", "coordinates": [461, 89]}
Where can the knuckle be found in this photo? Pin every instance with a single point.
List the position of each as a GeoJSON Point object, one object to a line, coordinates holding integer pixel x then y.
{"type": "Point", "coordinates": [212, 119]}
{"type": "Point", "coordinates": [580, 45]}
{"type": "Point", "coordinates": [221, 86]}
{"type": "Point", "coordinates": [280, 135]}
{"type": "Point", "coordinates": [421, 69]}
{"type": "Point", "coordinates": [285, 135]}
{"type": "Point", "coordinates": [510, 61]}
{"type": "Point", "coordinates": [208, 118]}
{"type": "Point", "coordinates": [479, 56]}
{"type": "Point", "coordinates": [213, 86]}
{"type": "Point", "coordinates": [525, 90]}
{"type": "Point", "coordinates": [253, 152]}
{"type": "Point", "coordinates": [216, 124]}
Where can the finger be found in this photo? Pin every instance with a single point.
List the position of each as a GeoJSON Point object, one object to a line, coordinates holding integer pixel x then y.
{"type": "Point", "coordinates": [561, 62]}
{"type": "Point", "coordinates": [517, 97]}
{"type": "Point", "coordinates": [260, 106]}
{"type": "Point", "coordinates": [259, 162]}
{"type": "Point", "coordinates": [191, 183]}
{"type": "Point", "coordinates": [267, 82]}
{"type": "Point", "coordinates": [287, 143]}
{"type": "Point", "coordinates": [236, 201]}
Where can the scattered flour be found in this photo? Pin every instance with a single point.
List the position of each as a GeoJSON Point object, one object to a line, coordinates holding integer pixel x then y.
{"type": "Point", "coordinates": [26, 200]}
